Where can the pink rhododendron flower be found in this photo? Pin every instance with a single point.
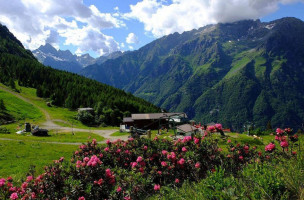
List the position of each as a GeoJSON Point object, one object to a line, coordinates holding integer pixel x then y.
{"type": "Point", "coordinates": [284, 144]}
{"type": "Point", "coordinates": [81, 198]}
{"type": "Point", "coordinates": [29, 179]}
{"type": "Point", "coordinates": [14, 196]}
{"type": "Point", "coordinates": [139, 159]}
{"type": "Point", "coordinates": [197, 165]}
{"type": "Point", "coordinates": [228, 141]}
{"type": "Point", "coordinates": [164, 152]}
{"type": "Point", "coordinates": [270, 147]}
{"type": "Point", "coordinates": [220, 149]}
{"type": "Point", "coordinates": [24, 185]}
{"type": "Point", "coordinates": [106, 149]}
{"type": "Point", "coordinates": [159, 172]}
{"type": "Point", "coordinates": [156, 187]}
{"type": "Point", "coordinates": [94, 141]}
{"type": "Point", "coordinates": [218, 126]}
{"type": "Point", "coordinates": [86, 159]}
{"type": "Point", "coordinates": [177, 180]}
{"type": "Point", "coordinates": [196, 140]}
{"type": "Point", "coordinates": [118, 189]}
{"type": "Point", "coordinates": [211, 128]}
{"type": "Point", "coordinates": [94, 161]}
{"type": "Point", "coordinates": [131, 139]}
{"type": "Point", "coordinates": [164, 164]}
{"type": "Point", "coordinates": [134, 164]}
{"type": "Point", "coordinates": [127, 198]}
{"type": "Point", "coordinates": [187, 139]}
{"type": "Point", "coordinates": [145, 148]}
{"type": "Point", "coordinates": [279, 131]}
{"type": "Point", "coordinates": [2, 182]}
{"type": "Point", "coordinates": [294, 153]}
{"type": "Point", "coordinates": [181, 161]}
{"type": "Point", "coordinates": [33, 195]}
{"type": "Point", "coordinates": [241, 157]}
{"type": "Point", "coordinates": [246, 147]}
{"type": "Point", "coordinates": [108, 142]}
{"type": "Point", "coordinates": [184, 149]}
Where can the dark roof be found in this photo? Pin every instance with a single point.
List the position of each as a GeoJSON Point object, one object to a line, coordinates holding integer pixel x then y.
{"type": "Point", "coordinates": [186, 128]}
{"type": "Point", "coordinates": [128, 119]}
{"type": "Point", "coordinates": [156, 115]}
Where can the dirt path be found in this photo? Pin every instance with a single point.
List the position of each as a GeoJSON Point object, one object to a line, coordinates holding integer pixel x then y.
{"type": "Point", "coordinates": [50, 125]}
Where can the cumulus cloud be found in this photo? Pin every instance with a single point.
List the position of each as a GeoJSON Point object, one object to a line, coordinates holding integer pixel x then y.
{"type": "Point", "coordinates": [161, 17]}
{"type": "Point", "coordinates": [36, 22]}
{"type": "Point", "coordinates": [132, 38]}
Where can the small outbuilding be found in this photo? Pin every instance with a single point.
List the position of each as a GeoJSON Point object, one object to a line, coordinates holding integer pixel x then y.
{"type": "Point", "coordinates": [89, 110]}
{"type": "Point", "coordinates": [186, 129]}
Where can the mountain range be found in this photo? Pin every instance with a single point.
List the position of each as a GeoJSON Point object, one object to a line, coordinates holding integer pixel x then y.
{"type": "Point", "coordinates": [65, 60]}
{"type": "Point", "coordinates": [64, 89]}
{"type": "Point", "coordinates": [234, 73]}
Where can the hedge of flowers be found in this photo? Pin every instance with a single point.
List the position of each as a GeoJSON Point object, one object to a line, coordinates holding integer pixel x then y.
{"type": "Point", "coordinates": [131, 169]}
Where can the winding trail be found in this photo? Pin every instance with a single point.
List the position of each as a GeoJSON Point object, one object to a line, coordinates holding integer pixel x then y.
{"type": "Point", "coordinates": [50, 125]}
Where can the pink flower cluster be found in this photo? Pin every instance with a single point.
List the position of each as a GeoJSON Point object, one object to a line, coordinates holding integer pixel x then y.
{"type": "Point", "coordinates": [270, 147]}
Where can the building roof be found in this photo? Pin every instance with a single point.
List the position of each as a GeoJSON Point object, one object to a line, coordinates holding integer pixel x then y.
{"type": "Point", "coordinates": [128, 119]}
{"type": "Point", "coordinates": [157, 115]}
{"type": "Point", "coordinates": [186, 128]}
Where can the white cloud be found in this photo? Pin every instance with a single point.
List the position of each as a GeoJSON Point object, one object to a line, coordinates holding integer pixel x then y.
{"type": "Point", "coordinates": [132, 38]}
{"type": "Point", "coordinates": [35, 22]}
{"type": "Point", "coordinates": [130, 47]}
{"type": "Point", "coordinates": [161, 18]}
{"type": "Point", "coordinates": [122, 45]}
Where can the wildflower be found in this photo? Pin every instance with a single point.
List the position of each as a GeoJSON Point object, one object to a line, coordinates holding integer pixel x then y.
{"type": "Point", "coordinates": [164, 152]}
{"type": "Point", "coordinates": [139, 159]}
{"type": "Point", "coordinates": [181, 161]}
{"type": "Point", "coordinates": [284, 144]}
{"type": "Point", "coordinates": [197, 165]}
{"type": "Point", "coordinates": [14, 196]}
{"type": "Point", "coordinates": [211, 128]}
{"type": "Point", "coordinates": [2, 182]}
{"type": "Point", "coordinates": [118, 189]}
{"type": "Point", "coordinates": [218, 126]}
{"type": "Point", "coordinates": [279, 131]}
{"type": "Point", "coordinates": [164, 164]}
{"type": "Point", "coordinates": [156, 187]}
{"type": "Point", "coordinates": [246, 148]}
{"type": "Point", "coordinates": [134, 164]}
{"type": "Point", "coordinates": [270, 147]}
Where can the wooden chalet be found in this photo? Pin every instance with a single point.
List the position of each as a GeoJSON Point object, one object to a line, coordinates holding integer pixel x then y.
{"type": "Point", "coordinates": [154, 120]}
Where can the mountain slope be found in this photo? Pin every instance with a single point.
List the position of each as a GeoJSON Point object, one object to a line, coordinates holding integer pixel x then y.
{"type": "Point", "coordinates": [230, 73]}
{"type": "Point", "coordinates": [63, 88]}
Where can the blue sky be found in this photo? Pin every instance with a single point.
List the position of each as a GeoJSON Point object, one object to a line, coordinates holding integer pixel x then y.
{"type": "Point", "coordinates": [102, 26]}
